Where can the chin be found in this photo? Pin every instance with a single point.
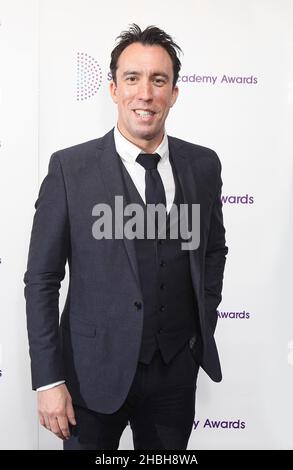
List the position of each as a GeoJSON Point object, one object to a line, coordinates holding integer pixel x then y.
{"type": "Point", "coordinates": [146, 134]}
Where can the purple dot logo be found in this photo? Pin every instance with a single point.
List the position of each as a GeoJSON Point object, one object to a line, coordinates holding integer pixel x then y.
{"type": "Point", "coordinates": [89, 76]}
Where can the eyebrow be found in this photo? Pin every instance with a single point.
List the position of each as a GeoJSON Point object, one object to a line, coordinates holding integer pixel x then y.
{"type": "Point", "coordinates": [155, 74]}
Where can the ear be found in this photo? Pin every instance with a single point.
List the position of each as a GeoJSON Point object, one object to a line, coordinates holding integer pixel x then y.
{"type": "Point", "coordinates": [174, 95]}
{"type": "Point", "coordinates": [113, 88]}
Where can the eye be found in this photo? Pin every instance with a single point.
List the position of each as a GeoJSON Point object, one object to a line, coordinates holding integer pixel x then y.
{"type": "Point", "coordinates": [131, 79]}
{"type": "Point", "coordinates": [159, 81]}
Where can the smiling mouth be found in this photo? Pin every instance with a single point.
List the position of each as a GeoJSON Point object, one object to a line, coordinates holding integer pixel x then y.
{"type": "Point", "coordinates": [143, 113]}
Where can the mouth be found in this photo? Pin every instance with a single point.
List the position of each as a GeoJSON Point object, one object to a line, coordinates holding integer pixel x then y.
{"type": "Point", "coordinates": [145, 115]}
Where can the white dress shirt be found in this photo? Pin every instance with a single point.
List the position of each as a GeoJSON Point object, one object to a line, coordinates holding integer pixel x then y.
{"type": "Point", "coordinates": [128, 153]}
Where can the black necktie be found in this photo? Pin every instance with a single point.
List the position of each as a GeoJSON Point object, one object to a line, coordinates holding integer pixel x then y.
{"type": "Point", "coordinates": [154, 189]}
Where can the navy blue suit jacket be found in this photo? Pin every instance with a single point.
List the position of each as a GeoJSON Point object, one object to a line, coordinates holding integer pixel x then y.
{"type": "Point", "coordinates": [95, 347]}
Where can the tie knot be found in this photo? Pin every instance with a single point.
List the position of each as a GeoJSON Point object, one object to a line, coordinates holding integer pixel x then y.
{"type": "Point", "coordinates": [148, 160]}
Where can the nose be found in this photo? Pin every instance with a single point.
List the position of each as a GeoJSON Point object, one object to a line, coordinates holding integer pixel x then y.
{"type": "Point", "coordinates": [144, 91]}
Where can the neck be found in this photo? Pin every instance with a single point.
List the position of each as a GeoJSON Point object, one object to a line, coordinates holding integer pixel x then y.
{"type": "Point", "coordinates": [148, 146]}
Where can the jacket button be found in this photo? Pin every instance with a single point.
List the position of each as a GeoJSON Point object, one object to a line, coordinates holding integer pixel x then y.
{"type": "Point", "coordinates": [138, 305]}
{"type": "Point", "coordinates": [162, 286]}
{"type": "Point", "coordinates": [162, 264]}
{"type": "Point", "coordinates": [162, 308]}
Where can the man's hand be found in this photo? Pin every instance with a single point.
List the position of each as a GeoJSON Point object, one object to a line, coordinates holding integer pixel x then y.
{"type": "Point", "coordinates": [56, 410]}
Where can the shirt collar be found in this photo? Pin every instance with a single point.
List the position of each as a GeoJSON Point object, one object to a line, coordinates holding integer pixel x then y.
{"type": "Point", "coordinates": [129, 152]}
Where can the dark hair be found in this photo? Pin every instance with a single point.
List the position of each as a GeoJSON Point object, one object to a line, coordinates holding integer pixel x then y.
{"type": "Point", "coordinates": [150, 36]}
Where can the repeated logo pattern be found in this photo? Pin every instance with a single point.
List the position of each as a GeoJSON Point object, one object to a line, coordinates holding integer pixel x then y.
{"type": "Point", "coordinates": [89, 76]}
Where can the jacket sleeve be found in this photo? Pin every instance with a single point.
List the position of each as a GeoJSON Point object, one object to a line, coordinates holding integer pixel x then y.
{"type": "Point", "coordinates": [215, 256]}
{"type": "Point", "coordinates": [48, 252]}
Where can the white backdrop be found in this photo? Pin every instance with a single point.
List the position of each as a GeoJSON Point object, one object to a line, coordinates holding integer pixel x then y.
{"type": "Point", "coordinates": [236, 96]}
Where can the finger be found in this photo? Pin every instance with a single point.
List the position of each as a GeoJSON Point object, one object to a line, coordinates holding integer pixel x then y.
{"type": "Point", "coordinates": [54, 425]}
{"type": "Point", "coordinates": [42, 420]}
{"type": "Point", "coordinates": [70, 413]}
{"type": "Point", "coordinates": [47, 423]}
{"type": "Point", "coordinates": [64, 427]}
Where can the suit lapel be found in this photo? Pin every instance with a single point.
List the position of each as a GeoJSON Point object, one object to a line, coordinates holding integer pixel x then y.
{"type": "Point", "coordinates": [113, 182]}
{"type": "Point", "coordinates": [187, 179]}
{"type": "Point", "coordinates": [111, 174]}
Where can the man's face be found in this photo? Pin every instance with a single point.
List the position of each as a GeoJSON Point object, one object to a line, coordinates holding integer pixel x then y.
{"type": "Point", "coordinates": [144, 93]}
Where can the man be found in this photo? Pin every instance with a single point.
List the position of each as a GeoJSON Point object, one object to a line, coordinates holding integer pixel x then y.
{"type": "Point", "coordinates": [140, 313]}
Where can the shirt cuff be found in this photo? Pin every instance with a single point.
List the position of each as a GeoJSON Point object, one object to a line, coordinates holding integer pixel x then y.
{"type": "Point", "coordinates": [47, 387]}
